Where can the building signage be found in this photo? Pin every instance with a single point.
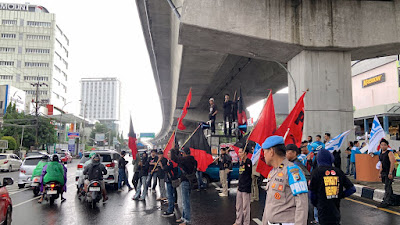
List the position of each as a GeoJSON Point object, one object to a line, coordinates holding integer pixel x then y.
{"type": "Point", "coordinates": [373, 80]}
{"type": "Point", "coordinates": [14, 7]}
{"type": "Point", "coordinates": [73, 135]}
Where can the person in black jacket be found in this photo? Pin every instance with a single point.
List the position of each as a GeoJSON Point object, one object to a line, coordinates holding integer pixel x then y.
{"type": "Point", "coordinates": [171, 175]}
{"type": "Point", "coordinates": [95, 171]}
{"type": "Point", "coordinates": [121, 172]}
{"type": "Point", "coordinates": [244, 189]}
{"type": "Point", "coordinates": [143, 172]}
{"type": "Point", "coordinates": [161, 176]}
{"type": "Point", "coordinates": [328, 186]}
{"type": "Point", "coordinates": [224, 162]}
{"type": "Point", "coordinates": [188, 165]}
{"type": "Point", "coordinates": [227, 115]}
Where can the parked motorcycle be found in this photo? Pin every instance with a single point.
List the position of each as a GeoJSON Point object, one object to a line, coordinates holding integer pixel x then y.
{"type": "Point", "coordinates": [35, 185]}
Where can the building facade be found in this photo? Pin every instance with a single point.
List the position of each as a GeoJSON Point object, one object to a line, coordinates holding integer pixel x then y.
{"type": "Point", "coordinates": [101, 100]}
{"type": "Point", "coordinates": [376, 91]}
{"type": "Point", "coordinates": [33, 48]}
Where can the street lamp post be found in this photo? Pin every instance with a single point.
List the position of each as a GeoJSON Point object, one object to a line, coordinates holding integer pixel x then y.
{"type": "Point", "coordinates": [61, 113]}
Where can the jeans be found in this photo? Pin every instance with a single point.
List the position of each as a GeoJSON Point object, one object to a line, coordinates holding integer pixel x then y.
{"type": "Point", "coordinates": [348, 166]}
{"type": "Point", "coordinates": [142, 182]}
{"type": "Point", "coordinates": [154, 178]}
{"type": "Point", "coordinates": [135, 179]}
{"type": "Point", "coordinates": [353, 168]}
{"type": "Point", "coordinates": [122, 177]}
{"type": "Point", "coordinates": [171, 199]}
{"type": "Point", "coordinates": [185, 185]}
{"type": "Point", "coordinates": [228, 118]}
{"type": "Point", "coordinates": [199, 176]}
{"type": "Point", "coordinates": [163, 193]}
{"type": "Point", "coordinates": [388, 189]}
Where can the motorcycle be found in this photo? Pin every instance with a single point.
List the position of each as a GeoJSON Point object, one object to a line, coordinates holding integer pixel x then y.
{"type": "Point", "coordinates": [52, 192]}
{"type": "Point", "coordinates": [93, 196]}
{"type": "Point", "coordinates": [35, 185]}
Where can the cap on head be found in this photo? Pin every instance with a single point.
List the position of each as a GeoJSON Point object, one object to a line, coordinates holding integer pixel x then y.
{"type": "Point", "coordinates": [186, 150]}
{"type": "Point", "coordinates": [293, 147]}
{"type": "Point", "coordinates": [211, 99]}
{"type": "Point", "coordinates": [315, 147]}
{"type": "Point", "coordinates": [123, 152]}
{"type": "Point", "coordinates": [273, 141]}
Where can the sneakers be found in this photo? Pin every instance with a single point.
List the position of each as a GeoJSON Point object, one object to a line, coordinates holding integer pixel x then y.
{"type": "Point", "coordinates": [105, 199]}
{"type": "Point", "coordinates": [141, 199]}
{"type": "Point", "coordinates": [135, 198]}
{"type": "Point", "coordinates": [383, 205]}
{"type": "Point", "coordinates": [120, 190]}
{"type": "Point", "coordinates": [167, 214]}
{"type": "Point", "coordinates": [223, 195]}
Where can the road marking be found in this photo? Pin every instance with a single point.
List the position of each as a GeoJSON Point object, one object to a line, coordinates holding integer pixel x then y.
{"type": "Point", "coordinates": [372, 206]}
{"type": "Point", "coordinates": [15, 192]}
{"type": "Point", "coordinates": [215, 185]}
{"type": "Point", "coordinates": [258, 221]}
{"type": "Point", "coordinates": [26, 201]}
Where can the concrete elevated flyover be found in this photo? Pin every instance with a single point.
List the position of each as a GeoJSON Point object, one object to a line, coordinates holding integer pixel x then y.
{"type": "Point", "coordinates": [216, 46]}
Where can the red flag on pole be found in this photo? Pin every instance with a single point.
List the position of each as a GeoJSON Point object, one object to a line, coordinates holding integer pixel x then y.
{"type": "Point", "coordinates": [200, 150]}
{"type": "Point", "coordinates": [184, 110]}
{"type": "Point", "coordinates": [266, 124]}
{"type": "Point", "coordinates": [132, 140]}
{"type": "Point", "coordinates": [170, 145]}
{"type": "Point", "coordinates": [264, 128]}
{"type": "Point", "coordinates": [292, 127]}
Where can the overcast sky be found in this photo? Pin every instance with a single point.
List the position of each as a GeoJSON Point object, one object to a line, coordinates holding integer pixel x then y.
{"type": "Point", "coordinates": [106, 40]}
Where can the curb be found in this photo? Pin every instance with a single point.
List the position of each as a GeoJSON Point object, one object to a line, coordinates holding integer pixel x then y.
{"type": "Point", "coordinates": [370, 193]}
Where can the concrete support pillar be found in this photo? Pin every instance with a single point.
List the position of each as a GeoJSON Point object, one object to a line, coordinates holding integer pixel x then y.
{"type": "Point", "coordinates": [329, 103]}
{"type": "Point", "coordinates": [386, 124]}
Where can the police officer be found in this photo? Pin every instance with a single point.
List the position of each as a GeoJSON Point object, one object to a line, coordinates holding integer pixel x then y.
{"type": "Point", "coordinates": [287, 198]}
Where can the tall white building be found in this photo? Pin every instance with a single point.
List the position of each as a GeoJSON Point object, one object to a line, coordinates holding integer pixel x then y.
{"type": "Point", "coordinates": [33, 48]}
{"type": "Point", "coordinates": [101, 99]}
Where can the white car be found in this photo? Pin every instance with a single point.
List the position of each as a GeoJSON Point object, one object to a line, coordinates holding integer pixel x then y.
{"type": "Point", "coordinates": [109, 159]}
{"type": "Point", "coordinates": [27, 167]}
{"type": "Point", "coordinates": [9, 162]}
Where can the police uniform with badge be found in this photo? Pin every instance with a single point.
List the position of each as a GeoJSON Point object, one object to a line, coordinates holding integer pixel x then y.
{"type": "Point", "coordinates": [287, 198]}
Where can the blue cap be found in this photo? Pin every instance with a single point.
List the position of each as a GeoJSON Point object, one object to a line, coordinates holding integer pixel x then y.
{"type": "Point", "coordinates": [273, 141]}
{"type": "Point", "coordinates": [316, 146]}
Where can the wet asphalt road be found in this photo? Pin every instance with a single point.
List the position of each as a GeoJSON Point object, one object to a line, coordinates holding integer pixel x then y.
{"type": "Point", "coordinates": [207, 208]}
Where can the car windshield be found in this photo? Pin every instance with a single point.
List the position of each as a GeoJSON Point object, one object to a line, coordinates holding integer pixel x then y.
{"type": "Point", "coordinates": [103, 158]}
{"type": "Point", "coordinates": [32, 161]}
{"type": "Point", "coordinates": [3, 157]}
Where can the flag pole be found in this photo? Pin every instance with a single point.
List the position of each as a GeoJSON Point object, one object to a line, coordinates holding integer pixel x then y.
{"type": "Point", "coordinates": [191, 135]}
{"type": "Point", "coordinates": [247, 141]}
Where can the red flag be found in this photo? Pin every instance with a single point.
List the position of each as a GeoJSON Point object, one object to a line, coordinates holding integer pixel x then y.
{"type": "Point", "coordinates": [266, 124]}
{"type": "Point", "coordinates": [293, 124]}
{"type": "Point", "coordinates": [184, 110]}
{"type": "Point", "coordinates": [200, 150]}
{"type": "Point", "coordinates": [170, 145]}
{"type": "Point", "coordinates": [132, 141]}
{"type": "Point", "coordinates": [262, 166]}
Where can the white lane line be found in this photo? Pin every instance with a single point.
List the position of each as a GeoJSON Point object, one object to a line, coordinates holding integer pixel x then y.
{"type": "Point", "coordinates": [258, 221]}
{"type": "Point", "coordinates": [15, 192]}
{"type": "Point", "coordinates": [215, 185]}
{"type": "Point", "coordinates": [25, 201]}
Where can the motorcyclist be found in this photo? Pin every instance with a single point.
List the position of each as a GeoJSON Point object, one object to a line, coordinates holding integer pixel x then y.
{"type": "Point", "coordinates": [54, 171]}
{"type": "Point", "coordinates": [95, 171]}
{"type": "Point", "coordinates": [82, 176]}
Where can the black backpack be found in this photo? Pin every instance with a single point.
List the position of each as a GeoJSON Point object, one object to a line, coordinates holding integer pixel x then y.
{"type": "Point", "coordinates": [95, 172]}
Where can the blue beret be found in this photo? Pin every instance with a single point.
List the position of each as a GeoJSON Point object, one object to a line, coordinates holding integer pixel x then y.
{"type": "Point", "coordinates": [273, 141]}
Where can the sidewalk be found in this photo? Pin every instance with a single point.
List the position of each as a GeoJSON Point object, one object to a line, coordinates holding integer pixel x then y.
{"type": "Point", "coordinates": [373, 190]}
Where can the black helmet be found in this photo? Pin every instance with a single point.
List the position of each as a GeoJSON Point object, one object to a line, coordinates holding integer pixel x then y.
{"type": "Point", "coordinates": [55, 158]}
{"type": "Point", "coordinates": [96, 158]}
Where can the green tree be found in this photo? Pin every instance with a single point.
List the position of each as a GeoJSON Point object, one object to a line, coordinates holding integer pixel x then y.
{"type": "Point", "coordinates": [12, 143]}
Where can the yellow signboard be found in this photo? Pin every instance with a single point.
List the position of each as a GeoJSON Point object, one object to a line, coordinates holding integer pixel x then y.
{"type": "Point", "coordinates": [373, 80]}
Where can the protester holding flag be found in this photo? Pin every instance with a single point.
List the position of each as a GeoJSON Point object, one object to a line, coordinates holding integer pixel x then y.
{"type": "Point", "coordinates": [188, 165]}
{"type": "Point", "coordinates": [227, 115]}
{"type": "Point", "coordinates": [386, 172]}
{"type": "Point", "coordinates": [287, 198]}
{"type": "Point", "coordinates": [144, 170]}
{"type": "Point", "coordinates": [172, 181]}
{"type": "Point", "coordinates": [132, 140]}
{"type": "Point", "coordinates": [244, 189]}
